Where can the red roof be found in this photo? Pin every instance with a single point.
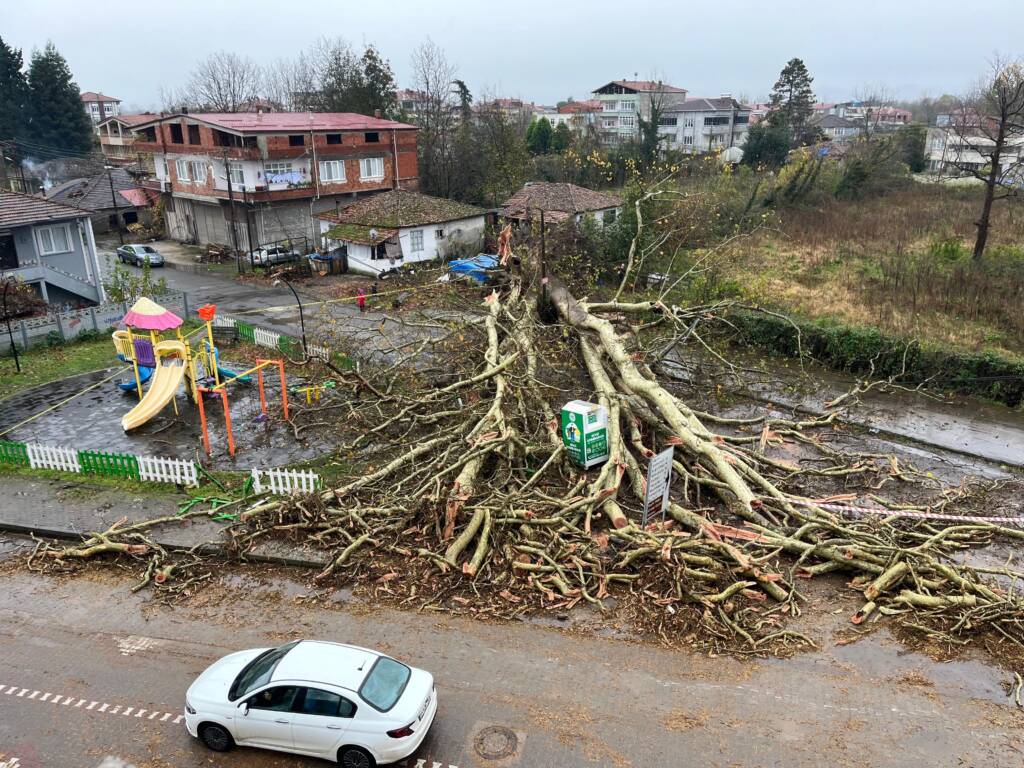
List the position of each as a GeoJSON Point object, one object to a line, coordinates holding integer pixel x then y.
{"type": "Point", "coordinates": [93, 96]}
{"type": "Point", "coordinates": [591, 105]}
{"type": "Point", "coordinates": [139, 197]}
{"type": "Point", "coordinates": [283, 122]}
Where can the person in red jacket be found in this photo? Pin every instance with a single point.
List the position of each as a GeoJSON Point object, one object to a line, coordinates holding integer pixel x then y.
{"type": "Point", "coordinates": [361, 300]}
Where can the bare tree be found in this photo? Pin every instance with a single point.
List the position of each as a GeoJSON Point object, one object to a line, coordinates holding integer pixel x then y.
{"type": "Point", "coordinates": [437, 115]}
{"type": "Point", "coordinates": [987, 137]}
{"type": "Point", "coordinates": [224, 82]}
{"type": "Point", "coordinates": [871, 98]}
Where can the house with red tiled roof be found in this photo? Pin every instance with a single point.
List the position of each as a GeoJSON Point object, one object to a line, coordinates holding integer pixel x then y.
{"type": "Point", "coordinates": [399, 227]}
{"type": "Point", "coordinates": [560, 202]}
{"type": "Point", "coordinates": [117, 138]}
{"type": "Point", "coordinates": [248, 180]}
{"type": "Point", "coordinates": [625, 102]}
{"type": "Point", "coordinates": [100, 106]}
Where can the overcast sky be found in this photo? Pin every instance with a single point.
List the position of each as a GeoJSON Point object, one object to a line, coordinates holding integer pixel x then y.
{"type": "Point", "coordinates": [543, 50]}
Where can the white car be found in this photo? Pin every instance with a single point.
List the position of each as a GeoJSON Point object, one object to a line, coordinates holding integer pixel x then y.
{"type": "Point", "coordinates": [346, 704]}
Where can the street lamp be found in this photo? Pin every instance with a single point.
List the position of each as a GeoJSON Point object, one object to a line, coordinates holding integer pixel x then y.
{"type": "Point", "coordinates": [10, 333]}
{"type": "Point", "coordinates": [302, 320]}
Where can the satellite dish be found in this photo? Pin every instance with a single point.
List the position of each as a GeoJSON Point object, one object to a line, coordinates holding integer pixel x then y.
{"type": "Point", "coordinates": [373, 233]}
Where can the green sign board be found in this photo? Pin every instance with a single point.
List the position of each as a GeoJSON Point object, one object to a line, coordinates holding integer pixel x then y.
{"type": "Point", "coordinates": [585, 432]}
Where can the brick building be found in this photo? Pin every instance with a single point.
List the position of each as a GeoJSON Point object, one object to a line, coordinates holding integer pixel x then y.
{"type": "Point", "coordinates": [269, 174]}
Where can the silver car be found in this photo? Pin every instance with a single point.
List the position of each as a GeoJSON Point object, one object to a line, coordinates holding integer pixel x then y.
{"type": "Point", "coordinates": [139, 255]}
{"type": "Point", "coordinates": [278, 254]}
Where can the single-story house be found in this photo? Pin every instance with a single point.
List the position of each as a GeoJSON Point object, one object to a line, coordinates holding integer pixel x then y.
{"type": "Point", "coordinates": [50, 246]}
{"type": "Point", "coordinates": [128, 203]}
{"type": "Point", "coordinates": [559, 202]}
{"type": "Point", "coordinates": [398, 227]}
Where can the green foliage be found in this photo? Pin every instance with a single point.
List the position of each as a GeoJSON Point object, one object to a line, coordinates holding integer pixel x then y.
{"type": "Point", "coordinates": [561, 140]}
{"type": "Point", "coordinates": [855, 349]}
{"type": "Point", "coordinates": [538, 136]}
{"type": "Point", "coordinates": [793, 98]}
{"type": "Point", "coordinates": [912, 147]}
{"type": "Point", "coordinates": [872, 165]}
{"type": "Point", "coordinates": [767, 144]}
{"type": "Point", "coordinates": [126, 286]}
{"type": "Point", "coordinates": [13, 92]}
{"type": "Point", "coordinates": [361, 85]}
{"type": "Point", "coordinates": [56, 114]}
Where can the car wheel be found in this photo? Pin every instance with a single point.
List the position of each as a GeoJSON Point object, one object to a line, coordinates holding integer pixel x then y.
{"type": "Point", "coordinates": [216, 737]}
{"type": "Point", "coordinates": [355, 757]}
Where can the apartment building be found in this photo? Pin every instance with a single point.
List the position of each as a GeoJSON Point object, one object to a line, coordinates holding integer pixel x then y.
{"type": "Point", "coordinates": [99, 107]}
{"type": "Point", "coordinates": [704, 125]}
{"type": "Point", "coordinates": [624, 102]}
{"type": "Point", "coordinates": [246, 180]}
{"type": "Point", "coordinates": [953, 151]}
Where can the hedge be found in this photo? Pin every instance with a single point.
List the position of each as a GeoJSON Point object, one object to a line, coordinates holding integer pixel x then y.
{"type": "Point", "coordinates": [852, 349]}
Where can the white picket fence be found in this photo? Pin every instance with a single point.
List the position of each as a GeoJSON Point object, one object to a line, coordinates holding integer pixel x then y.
{"type": "Point", "coordinates": [266, 338]}
{"type": "Point", "coordinates": [162, 469]}
{"type": "Point", "coordinates": [53, 457]}
{"type": "Point", "coordinates": [318, 352]}
{"type": "Point", "coordinates": [285, 481]}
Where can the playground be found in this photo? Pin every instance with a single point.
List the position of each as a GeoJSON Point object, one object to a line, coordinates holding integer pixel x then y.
{"type": "Point", "coordinates": [171, 394]}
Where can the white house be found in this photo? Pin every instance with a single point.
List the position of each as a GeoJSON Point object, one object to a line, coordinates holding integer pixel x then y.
{"type": "Point", "coordinates": [624, 102]}
{"type": "Point", "coordinates": [837, 127]}
{"type": "Point", "coordinates": [398, 227]}
{"type": "Point", "coordinates": [704, 125]}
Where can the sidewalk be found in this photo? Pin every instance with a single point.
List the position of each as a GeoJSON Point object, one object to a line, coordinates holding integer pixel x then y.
{"type": "Point", "coordinates": [71, 508]}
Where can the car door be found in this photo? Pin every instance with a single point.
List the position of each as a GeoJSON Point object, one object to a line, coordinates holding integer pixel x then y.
{"type": "Point", "coordinates": [320, 720]}
{"type": "Point", "coordinates": [268, 720]}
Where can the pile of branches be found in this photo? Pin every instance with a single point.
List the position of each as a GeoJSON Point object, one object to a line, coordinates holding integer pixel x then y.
{"type": "Point", "coordinates": [463, 495]}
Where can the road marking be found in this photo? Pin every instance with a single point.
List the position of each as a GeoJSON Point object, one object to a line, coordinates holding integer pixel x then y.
{"type": "Point", "coordinates": [9, 762]}
{"type": "Point", "coordinates": [96, 707]}
{"type": "Point", "coordinates": [133, 644]}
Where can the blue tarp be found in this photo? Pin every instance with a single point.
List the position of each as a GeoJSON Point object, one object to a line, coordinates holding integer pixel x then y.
{"type": "Point", "coordinates": [475, 268]}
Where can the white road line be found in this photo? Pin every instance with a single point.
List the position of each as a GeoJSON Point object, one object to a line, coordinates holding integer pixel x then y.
{"type": "Point", "coordinates": [34, 694]}
{"type": "Point", "coordinates": [45, 696]}
{"type": "Point", "coordinates": [104, 708]}
{"type": "Point", "coordinates": [80, 703]}
{"type": "Point", "coordinates": [92, 704]}
{"type": "Point", "coordinates": [128, 711]}
{"type": "Point", "coordinates": [11, 690]}
{"type": "Point", "coordinates": [22, 692]}
{"type": "Point", "coordinates": [166, 715]}
{"type": "Point", "coordinates": [139, 713]}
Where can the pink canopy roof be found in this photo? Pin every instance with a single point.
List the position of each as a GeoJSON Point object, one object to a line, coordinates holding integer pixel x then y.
{"type": "Point", "coordinates": [150, 316]}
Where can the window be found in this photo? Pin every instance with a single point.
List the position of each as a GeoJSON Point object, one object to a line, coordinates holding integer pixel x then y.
{"type": "Point", "coordinates": [609, 106]}
{"type": "Point", "coordinates": [667, 121]}
{"type": "Point", "coordinates": [258, 671]}
{"type": "Point", "coordinates": [688, 140]}
{"type": "Point", "coordinates": [198, 171]}
{"type": "Point", "coordinates": [176, 137]}
{"type": "Point", "coordinates": [236, 173]}
{"type": "Point", "coordinates": [296, 140]}
{"type": "Point", "coordinates": [627, 121]}
{"type": "Point", "coordinates": [149, 134]}
{"type": "Point", "coordinates": [372, 137]}
{"type": "Point", "coordinates": [385, 683]}
{"type": "Point", "coordinates": [193, 134]}
{"type": "Point", "coordinates": [371, 168]}
{"type": "Point", "coordinates": [722, 120]}
{"type": "Point", "coordinates": [276, 169]}
{"type": "Point", "coordinates": [332, 170]}
{"type": "Point", "coordinates": [609, 216]}
{"type": "Point", "coordinates": [325, 704]}
{"type": "Point", "coordinates": [742, 119]}
{"type": "Point", "coordinates": [53, 240]}
{"type": "Point", "coordinates": [181, 166]}
{"type": "Point", "coordinates": [278, 699]}
{"type": "Point", "coordinates": [439, 234]}
{"type": "Point", "coordinates": [416, 240]}
{"type": "Point", "coordinates": [688, 122]}
{"type": "Point", "coordinates": [167, 171]}
{"type": "Point", "coordinates": [334, 138]}
{"type": "Point", "coordinates": [626, 106]}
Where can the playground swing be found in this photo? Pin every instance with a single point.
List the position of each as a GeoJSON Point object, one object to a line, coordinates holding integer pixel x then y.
{"type": "Point", "coordinates": [221, 390]}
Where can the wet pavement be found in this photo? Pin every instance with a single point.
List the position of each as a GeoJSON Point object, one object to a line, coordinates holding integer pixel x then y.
{"type": "Point", "coordinates": [92, 421]}
{"type": "Point", "coordinates": [89, 670]}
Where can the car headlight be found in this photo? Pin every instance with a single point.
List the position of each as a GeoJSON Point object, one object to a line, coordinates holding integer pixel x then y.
{"type": "Point", "coordinates": [189, 708]}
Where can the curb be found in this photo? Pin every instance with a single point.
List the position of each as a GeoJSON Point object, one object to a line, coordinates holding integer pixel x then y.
{"type": "Point", "coordinates": [63, 535]}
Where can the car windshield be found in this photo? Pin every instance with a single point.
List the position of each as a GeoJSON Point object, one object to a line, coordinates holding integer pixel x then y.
{"type": "Point", "coordinates": [258, 671]}
{"type": "Point", "coordinates": [385, 683]}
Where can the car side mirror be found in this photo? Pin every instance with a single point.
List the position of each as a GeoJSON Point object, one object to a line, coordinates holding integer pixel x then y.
{"type": "Point", "coordinates": [244, 706]}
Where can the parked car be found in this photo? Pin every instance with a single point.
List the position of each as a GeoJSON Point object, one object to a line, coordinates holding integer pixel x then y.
{"type": "Point", "coordinates": [139, 255]}
{"type": "Point", "coordinates": [338, 702]}
{"type": "Point", "coordinates": [278, 254]}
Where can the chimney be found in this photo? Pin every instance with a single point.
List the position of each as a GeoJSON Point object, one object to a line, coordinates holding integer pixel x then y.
{"type": "Point", "coordinates": [376, 113]}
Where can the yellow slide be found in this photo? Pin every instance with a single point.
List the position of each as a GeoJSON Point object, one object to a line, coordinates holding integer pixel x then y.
{"type": "Point", "coordinates": [168, 377]}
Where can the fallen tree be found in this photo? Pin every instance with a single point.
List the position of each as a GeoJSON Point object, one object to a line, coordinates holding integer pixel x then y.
{"type": "Point", "coordinates": [465, 497]}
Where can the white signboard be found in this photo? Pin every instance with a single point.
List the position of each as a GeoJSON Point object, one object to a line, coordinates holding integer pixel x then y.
{"type": "Point", "coordinates": [659, 480]}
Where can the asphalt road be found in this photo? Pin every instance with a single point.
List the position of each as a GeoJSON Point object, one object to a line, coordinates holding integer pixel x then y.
{"type": "Point", "coordinates": [90, 672]}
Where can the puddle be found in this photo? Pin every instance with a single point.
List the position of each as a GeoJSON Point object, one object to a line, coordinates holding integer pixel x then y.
{"type": "Point", "coordinates": [92, 421]}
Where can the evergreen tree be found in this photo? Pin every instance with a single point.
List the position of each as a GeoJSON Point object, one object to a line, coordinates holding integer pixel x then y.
{"type": "Point", "coordinates": [379, 86]}
{"type": "Point", "coordinates": [56, 114]}
{"type": "Point", "coordinates": [912, 144]}
{"type": "Point", "coordinates": [793, 98]}
{"type": "Point", "coordinates": [538, 136]}
{"type": "Point", "coordinates": [561, 140]}
{"type": "Point", "coordinates": [361, 85]}
{"type": "Point", "coordinates": [13, 93]}
{"type": "Point", "coordinates": [767, 144]}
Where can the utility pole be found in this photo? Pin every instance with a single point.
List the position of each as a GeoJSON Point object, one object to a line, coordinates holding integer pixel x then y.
{"type": "Point", "coordinates": [113, 196]}
{"type": "Point", "coordinates": [543, 260]}
{"type": "Point", "coordinates": [231, 205]}
{"type": "Point", "coordinates": [10, 334]}
{"type": "Point", "coordinates": [248, 227]}
{"type": "Point", "coordinates": [3, 166]}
